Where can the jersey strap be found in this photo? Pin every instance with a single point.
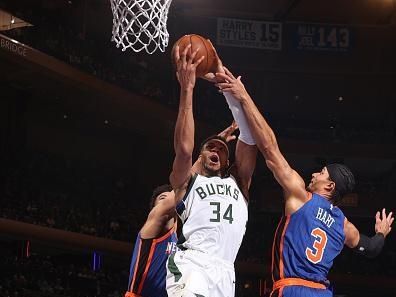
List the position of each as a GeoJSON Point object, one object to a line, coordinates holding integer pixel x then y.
{"type": "Point", "coordinates": [181, 206]}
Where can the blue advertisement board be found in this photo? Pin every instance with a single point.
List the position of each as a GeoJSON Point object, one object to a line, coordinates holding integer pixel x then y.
{"type": "Point", "coordinates": [321, 37]}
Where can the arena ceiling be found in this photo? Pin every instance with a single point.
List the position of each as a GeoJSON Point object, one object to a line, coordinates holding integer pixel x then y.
{"type": "Point", "coordinates": [368, 12]}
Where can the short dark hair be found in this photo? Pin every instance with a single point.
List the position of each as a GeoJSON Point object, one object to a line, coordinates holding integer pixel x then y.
{"type": "Point", "coordinates": [157, 191]}
{"type": "Point", "coordinates": [343, 178]}
{"type": "Point", "coordinates": [217, 137]}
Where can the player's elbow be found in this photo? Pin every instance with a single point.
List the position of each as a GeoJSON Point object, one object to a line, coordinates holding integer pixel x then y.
{"type": "Point", "coordinates": [184, 151]}
{"type": "Point", "coordinates": [269, 150]}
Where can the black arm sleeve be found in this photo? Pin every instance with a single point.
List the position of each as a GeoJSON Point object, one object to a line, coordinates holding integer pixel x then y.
{"type": "Point", "coordinates": [370, 247]}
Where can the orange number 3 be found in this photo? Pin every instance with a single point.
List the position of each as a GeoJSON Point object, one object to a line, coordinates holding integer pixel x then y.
{"type": "Point", "coordinates": [319, 245]}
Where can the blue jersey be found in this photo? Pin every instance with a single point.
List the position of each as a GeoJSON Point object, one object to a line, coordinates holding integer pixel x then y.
{"type": "Point", "coordinates": [307, 241]}
{"type": "Point", "coordinates": [147, 275]}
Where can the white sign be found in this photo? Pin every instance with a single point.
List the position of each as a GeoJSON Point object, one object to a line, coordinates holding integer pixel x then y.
{"type": "Point", "coordinates": [252, 34]}
{"type": "Point", "coordinates": [13, 46]}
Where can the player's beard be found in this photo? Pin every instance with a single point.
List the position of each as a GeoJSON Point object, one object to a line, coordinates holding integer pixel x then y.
{"type": "Point", "coordinates": [211, 172]}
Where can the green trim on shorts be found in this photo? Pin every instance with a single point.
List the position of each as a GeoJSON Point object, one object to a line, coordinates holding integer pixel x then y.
{"type": "Point", "coordinates": [173, 268]}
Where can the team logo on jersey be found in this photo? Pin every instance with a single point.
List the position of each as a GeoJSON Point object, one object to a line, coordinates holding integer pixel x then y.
{"type": "Point", "coordinates": [171, 248]}
{"type": "Point", "coordinates": [217, 189]}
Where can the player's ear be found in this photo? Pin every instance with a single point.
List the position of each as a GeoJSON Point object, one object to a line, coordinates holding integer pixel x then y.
{"type": "Point", "coordinates": [330, 186]}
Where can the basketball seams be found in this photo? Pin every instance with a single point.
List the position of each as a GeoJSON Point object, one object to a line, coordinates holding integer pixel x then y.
{"type": "Point", "coordinates": [203, 42]}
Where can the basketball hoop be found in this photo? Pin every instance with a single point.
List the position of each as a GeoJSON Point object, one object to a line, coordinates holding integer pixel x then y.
{"type": "Point", "coordinates": [140, 24]}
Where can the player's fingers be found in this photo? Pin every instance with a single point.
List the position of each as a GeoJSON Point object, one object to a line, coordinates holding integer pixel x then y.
{"type": "Point", "coordinates": [192, 56]}
{"type": "Point", "coordinates": [228, 72]}
{"type": "Point", "coordinates": [183, 55]}
{"type": "Point", "coordinates": [383, 214]}
{"type": "Point", "coordinates": [377, 216]}
{"type": "Point", "coordinates": [389, 216]}
{"type": "Point", "coordinates": [226, 90]}
{"type": "Point", "coordinates": [222, 86]}
{"type": "Point", "coordinates": [223, 76]}
{"type": "Point", "coordinates": [234, 125]}
{"type": "Point", "coordinates": [199, 61]}
{"type": "Point", "coordinates": [186, 49]}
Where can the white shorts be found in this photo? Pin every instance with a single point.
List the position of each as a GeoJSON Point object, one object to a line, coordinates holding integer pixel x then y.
{"type": "Point", "coordinates": [193, 273]}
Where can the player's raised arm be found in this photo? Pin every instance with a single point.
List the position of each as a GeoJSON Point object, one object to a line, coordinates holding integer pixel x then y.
{"type": "Point", "coordinates": [369, 246]}
{"type": "Point", "coordinates": [184, 129]}
{"type": "Point", "coordinates": [245, 158]}
{"type": "Point", "coordinates": [163, 209]}
{"type": "Point", "coordinates": [265, 139]}
{"type": "Point", "coordinates": [246, 150]}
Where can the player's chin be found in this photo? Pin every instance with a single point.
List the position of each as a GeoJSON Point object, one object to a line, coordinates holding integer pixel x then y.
{"type": "Point", "coordinates": [213, 170]}
{"type": "Point", "coordinates": [216, 167]}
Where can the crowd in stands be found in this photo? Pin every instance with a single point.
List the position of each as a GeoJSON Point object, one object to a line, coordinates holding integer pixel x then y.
{"type": "Point", "coordinates": [71, 275]}
{"type": "Point", "coordinates": [59, 192]}
{"type": "Point", "coordinates": [50, 191]}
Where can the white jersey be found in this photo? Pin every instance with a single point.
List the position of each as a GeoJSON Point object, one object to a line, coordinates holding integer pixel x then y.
{"type": "Point", "coordinates": [214, 214]}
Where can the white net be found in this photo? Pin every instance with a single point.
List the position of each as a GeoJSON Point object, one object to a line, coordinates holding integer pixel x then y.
{"type": "Point", "coordinates": [140, 24]}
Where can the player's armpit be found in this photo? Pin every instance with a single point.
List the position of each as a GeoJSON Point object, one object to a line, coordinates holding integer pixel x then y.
{"type": "Point", "coordinates": [181, 171]}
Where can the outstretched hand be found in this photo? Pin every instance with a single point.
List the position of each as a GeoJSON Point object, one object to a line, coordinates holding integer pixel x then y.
{"type": "Point", "coordinates": [211, 76]}
{"type": "Point", "coordinates": [186, 67]}
{"type": "Point", "coordinates": [228, 132]}
{"type": "Point", "coordinates": [231, 84]}
{"type": "Point", "coordinates": [383, 225]}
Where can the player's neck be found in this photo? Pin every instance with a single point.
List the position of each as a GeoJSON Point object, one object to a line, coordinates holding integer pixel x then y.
{"type": "Point", "coordinates": [169, 224]}
{"type": "Point", "coordinates": [210, 173]}
{"type": "Point", "coordinates": [324, 193]}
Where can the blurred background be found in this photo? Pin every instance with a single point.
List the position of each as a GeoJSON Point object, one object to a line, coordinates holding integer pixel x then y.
{"type": "Point", "coordinates": [86, 131]}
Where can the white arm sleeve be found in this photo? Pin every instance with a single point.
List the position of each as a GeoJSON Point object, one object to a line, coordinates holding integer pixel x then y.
{"type": "Point", "coordinates": [240, 119]}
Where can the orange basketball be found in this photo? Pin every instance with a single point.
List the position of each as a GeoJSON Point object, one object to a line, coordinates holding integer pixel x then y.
{"type": "Point", "coordinates": [205, 49]}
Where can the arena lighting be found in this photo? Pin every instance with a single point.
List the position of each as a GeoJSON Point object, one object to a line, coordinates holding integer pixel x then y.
{"type": "Point", "coordinates": [28, 249]}
{"type": "Point", "coordinates": [106, 122]}
{"type": "Point", "coordinates": [246, 285]}
{"type": "Point", "coordinates": [96, 261]}
{"type": "Point", "coordinates": [340, 98]}
{"type": "Point", "coordinates": [9, 21]}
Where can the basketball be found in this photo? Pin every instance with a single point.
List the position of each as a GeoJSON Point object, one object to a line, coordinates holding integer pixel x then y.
{"type": "Point", "coordinates": [204, 49]}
